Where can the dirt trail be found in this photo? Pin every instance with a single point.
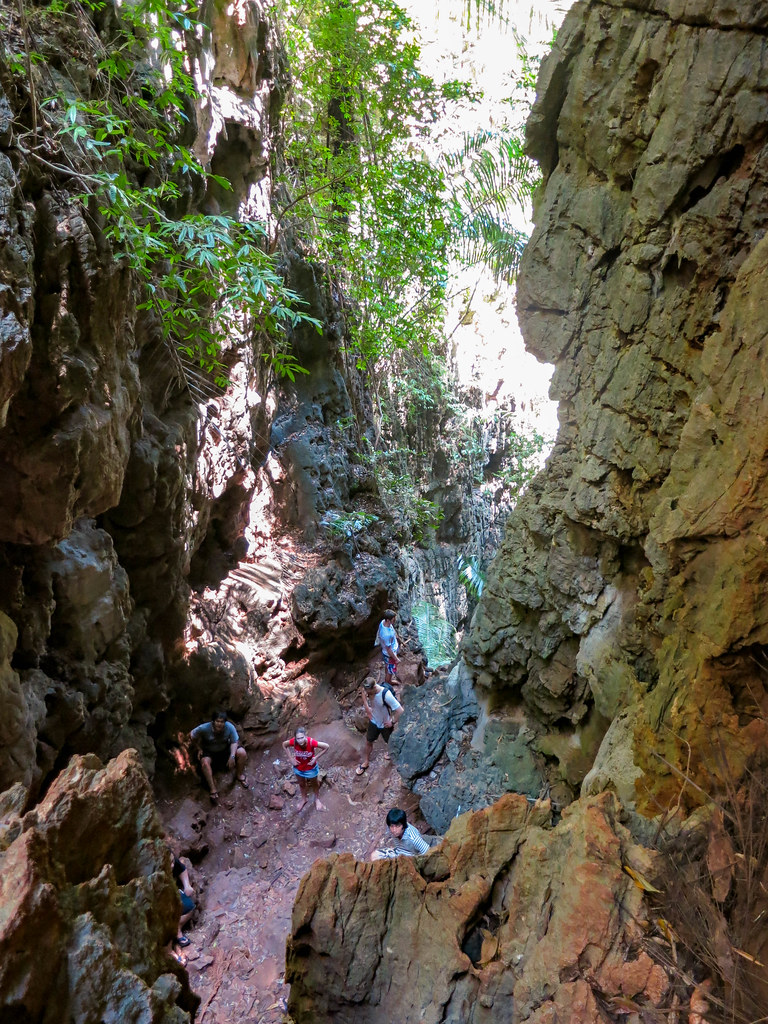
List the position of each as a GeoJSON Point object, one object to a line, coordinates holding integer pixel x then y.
{"type": "Point", "coordinates": [247, 882]}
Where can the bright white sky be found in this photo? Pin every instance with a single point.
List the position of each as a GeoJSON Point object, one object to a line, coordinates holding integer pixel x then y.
{"type": "Point", "coordinates": [491, 347]}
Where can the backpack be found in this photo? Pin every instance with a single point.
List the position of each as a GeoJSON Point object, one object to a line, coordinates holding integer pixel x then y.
{"type": "Point", "coordinates": [387, 689]}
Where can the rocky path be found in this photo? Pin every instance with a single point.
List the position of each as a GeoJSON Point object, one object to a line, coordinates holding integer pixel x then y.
{"type": "Point", "coordinates": [249, 854]}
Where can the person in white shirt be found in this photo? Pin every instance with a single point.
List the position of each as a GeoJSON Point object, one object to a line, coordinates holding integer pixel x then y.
{"type": "Point", "coordinates": [386, 639]}
{"type": "Point", "coordinates": [383, 710]}
{"type": "Point", "coordinates": [409, 841]}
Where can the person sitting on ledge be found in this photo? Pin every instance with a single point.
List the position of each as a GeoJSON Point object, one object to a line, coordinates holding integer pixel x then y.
{"type": "Point", "coordinates": [410, 842]}
{"type": "Point", "coordinates": [218, 748]}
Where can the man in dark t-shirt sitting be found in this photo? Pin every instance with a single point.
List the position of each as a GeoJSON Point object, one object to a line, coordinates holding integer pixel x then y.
{"type": "Point", "coordinates": [217, 747]}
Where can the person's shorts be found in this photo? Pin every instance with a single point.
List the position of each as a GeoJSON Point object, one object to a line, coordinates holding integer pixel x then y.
{"type": "Point", "coordinates": [311, 774]}
{"type": "Point", "coordinates": [219, 760]}
{"type": "Point", "coordinates": [187, 903]}
{"type": "Point", "coordinates": [374, 731]}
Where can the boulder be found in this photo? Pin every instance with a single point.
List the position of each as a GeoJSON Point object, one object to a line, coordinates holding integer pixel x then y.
{"type": "Point", "coordinates": [431, 713]}
{"type": "Point", "coordinates": [87, 884]}
{"type": "Point", "coordinates": [508, 920]}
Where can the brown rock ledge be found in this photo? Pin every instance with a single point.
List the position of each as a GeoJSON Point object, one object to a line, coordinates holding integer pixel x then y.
{"type": "Point", "coordinates": [509, 920]}
{"type": "Point", "coordinates": [87, 903]}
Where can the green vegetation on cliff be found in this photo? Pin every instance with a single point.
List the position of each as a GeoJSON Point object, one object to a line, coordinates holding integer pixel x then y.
{"type": "Point", "coordinates": [116, 121]}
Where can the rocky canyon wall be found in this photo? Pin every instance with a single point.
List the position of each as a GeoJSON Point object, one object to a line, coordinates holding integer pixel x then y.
{"type": "Point", "coordinates": [627, 600]}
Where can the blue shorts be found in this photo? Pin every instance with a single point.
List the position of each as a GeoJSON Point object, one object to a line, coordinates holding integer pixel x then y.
{"type": "Point", "coordinates": [311, 774]}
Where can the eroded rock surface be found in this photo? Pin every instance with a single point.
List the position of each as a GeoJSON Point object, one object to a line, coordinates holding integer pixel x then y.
{"type": "Point", "coordinates": [630, 579]}
{"type": "Point", "coordinates": [508, 920]}
{"type": "Point", "coordinates": [85, 882]}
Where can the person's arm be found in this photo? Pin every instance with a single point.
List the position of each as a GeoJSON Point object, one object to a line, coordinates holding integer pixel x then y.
{"type": "Point", "coordinates": [395, 713]}
{"type": "Point", "coordinates": [233, 747]}
{"type": "Point", "coordinates": [290, 752]}
{"type": "Point", "coordinates": [186, 885]}
{"type": "Point", "coordinates": [367, 706]}
{"type": "Point", "coordinates": [194, 743]}
{"type": "Point", "coordinates": [321, 748]}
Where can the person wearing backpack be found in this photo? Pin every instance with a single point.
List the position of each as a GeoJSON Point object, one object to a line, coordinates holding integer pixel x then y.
{"type": "Point", "coordinates": [383, 710]}
{"type": "Point", "coordinates": [386, 639]}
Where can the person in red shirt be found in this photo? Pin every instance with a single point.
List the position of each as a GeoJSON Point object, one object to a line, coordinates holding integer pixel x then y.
{"type": "Point", "coordinates": [305, 752]}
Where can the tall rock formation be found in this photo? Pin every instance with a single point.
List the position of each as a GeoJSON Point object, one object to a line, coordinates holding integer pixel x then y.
{"type": "Point", "coordinates": [628, 595]}
{"type": "Point", "coordinates": [88, 902]}
{"type": "Point", "coordinates": [507, 921]}
{"type": "Point", "coordinates": [621, 634]}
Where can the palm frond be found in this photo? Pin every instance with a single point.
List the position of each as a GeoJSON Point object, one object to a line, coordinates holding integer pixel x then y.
{"type": "Point", "coordinates": [471, 575]}
{"type": "Point", "coordinates": [490, 173]}
{"type": "Point", "coordinates": [436, 635]}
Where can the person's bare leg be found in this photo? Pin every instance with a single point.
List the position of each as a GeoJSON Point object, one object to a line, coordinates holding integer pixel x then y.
{"type": "Point", "coordinates": [182, 921]}
{"type": "Point", "coordinates": [367, 761]}
{"type": "Point", "coordinates": [318, 805]}
{"type": "Point", "coordinates": [241, 759]}
{"type": "Point", "coordinates": [206, 769]}
{"type": "Point", "coordinates": [303, 788]}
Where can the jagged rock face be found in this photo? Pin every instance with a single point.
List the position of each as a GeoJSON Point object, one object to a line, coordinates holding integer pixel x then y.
{"type": "Point", "coordinates": [508, 920]}
{"type": "Point", "coordinates": [113, 465]}
{"type": "Point", "coordinates": [70, 380]}
{"type": "Point", "coordinates": [631, 577]}
{"type": "Point", "coordinates": [85, 882]}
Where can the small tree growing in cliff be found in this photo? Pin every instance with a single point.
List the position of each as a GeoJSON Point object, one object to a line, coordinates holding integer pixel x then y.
{"type": "Point", "coordinates": [386, 218]}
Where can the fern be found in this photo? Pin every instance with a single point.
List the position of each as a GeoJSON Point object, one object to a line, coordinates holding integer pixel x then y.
{"type": "Point", "coordinates": [436, 635]}
{"type": "Point", "coordinates": [471, 575]}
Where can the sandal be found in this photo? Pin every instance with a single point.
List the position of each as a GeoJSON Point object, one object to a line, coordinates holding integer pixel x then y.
{"type": "Point", "coordinates": [182, 941]}
{"type": "Point", "coordinates": [214, 798]}
{"type": "Point", "coordinates": [361, 769]}
{"type": "Point", "coordinates": [243, 781]}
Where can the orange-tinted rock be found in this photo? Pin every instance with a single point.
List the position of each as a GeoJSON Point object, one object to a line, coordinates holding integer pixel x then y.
{"type": "Point", "coordinates": [87, 904]}
{"type": "Point", "coordinates": [520, 921]}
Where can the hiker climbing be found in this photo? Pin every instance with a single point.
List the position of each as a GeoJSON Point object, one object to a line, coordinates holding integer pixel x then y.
{"type": "Point", "coordinates": [187, 894]}
{"type": "Point", "coordinates": [409, 842]}
{"type": "Point", "coordinates": [306, 752]}
{"type": "Point", "coordinates": [383, 710]}
{"type": "Point", "coordinates": [386, 639]}
{"type": "Point", "coordinates": [217, 747]}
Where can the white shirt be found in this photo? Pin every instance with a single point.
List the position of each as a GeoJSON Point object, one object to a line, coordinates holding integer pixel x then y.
{"type": "Point", "coordinates": [382, 709]}
{"type": "Point", "coordinates": [387, 637]}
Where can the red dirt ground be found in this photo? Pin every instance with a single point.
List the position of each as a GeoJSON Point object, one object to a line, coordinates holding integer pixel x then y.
{"type": "Point", "coordinates": [246, 883]}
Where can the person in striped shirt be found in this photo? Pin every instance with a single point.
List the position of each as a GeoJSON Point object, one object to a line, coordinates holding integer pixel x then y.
{"type": "Point", "coordinates": [409, 841]}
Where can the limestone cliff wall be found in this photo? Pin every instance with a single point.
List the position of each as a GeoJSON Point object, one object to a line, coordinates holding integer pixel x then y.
{"type": "Point", "coordinates": [162, 545]}
{"type": "Point", "coordinates": [631, 583]}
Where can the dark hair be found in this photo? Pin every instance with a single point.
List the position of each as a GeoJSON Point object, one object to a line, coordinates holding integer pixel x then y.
{"type": "Point", "coordinates": [369, 682]}
{"type": "Point", "coordinates": [299, 729]}
{"type": "Point", "coordinates": [218, 713]}
{"type": "Point", "coordinates": [397, 817]}
{"type": "Point", "coordinates": [389, 614]}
